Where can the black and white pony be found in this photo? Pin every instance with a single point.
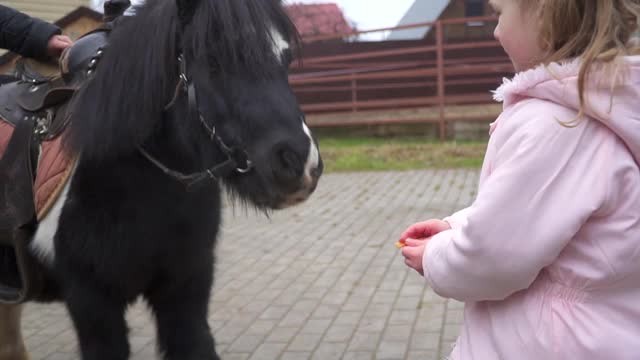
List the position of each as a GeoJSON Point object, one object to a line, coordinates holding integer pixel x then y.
{"type": "Point", "coordinates": [191, 95]}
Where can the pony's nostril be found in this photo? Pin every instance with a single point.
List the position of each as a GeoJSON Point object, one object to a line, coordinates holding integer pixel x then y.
{"type": "Point", "coordinates": [316, 172]}
{"type": "Point", "coordinates": [289, 160]}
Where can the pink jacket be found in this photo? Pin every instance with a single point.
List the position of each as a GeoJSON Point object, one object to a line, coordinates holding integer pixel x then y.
{"type": "Point", "coordinates": [547, 258]}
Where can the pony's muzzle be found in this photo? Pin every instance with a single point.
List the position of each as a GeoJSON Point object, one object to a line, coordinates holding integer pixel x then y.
{"type": "Point", "coordinates": [296, 172]}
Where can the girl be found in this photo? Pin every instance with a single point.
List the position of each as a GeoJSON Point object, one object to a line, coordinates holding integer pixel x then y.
{"type": "Point", "coordinates": [547, 258]}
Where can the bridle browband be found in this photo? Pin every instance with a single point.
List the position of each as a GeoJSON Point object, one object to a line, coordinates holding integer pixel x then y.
{"type": "Point", "coordinates": [237, 159]}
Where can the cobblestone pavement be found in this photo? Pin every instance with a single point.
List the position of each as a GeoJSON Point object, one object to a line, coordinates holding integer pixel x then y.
{"type": "Point", "coordinates": [319, 281]}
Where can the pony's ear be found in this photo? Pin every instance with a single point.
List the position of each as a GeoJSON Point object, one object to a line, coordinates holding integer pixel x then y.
{"type": "Point", "coordinates": [186, 9]}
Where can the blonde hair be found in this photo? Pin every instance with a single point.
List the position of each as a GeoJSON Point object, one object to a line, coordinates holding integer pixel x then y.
{"type": "Point", "coordinates": [596, 31]}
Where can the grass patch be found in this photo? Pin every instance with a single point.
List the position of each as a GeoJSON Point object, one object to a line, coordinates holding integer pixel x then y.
{"type": "Point", "coordinates": [377, 154]}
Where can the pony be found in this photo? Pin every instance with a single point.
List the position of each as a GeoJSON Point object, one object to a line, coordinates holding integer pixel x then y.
{"type": "Point", "coordinates": [190, 98]}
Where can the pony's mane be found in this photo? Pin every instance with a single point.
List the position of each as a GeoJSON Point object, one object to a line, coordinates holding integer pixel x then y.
{"type": "Point", "coordinates": [119, 108]}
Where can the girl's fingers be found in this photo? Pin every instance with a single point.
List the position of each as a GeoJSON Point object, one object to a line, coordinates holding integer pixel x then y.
{"type": "Point", "coordinates": [407, 242]}
{"type": "Point", "coordinates": [412, 252]}
{"type": "Point", "coordinates": [414, 242]}
{"type": "Point", "coordinates": [413, 232]}
{"type": "Point", "coordinates": [414, 264]}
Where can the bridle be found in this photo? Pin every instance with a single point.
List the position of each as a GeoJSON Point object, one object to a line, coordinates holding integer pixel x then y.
{"type": "Point", "coordinates": [237, 158]}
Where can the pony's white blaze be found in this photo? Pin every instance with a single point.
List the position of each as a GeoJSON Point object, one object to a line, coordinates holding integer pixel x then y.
{"type": "Point", "coordinates": [279, 44]}
{"type": "Point", "coordinates": [42, 244]}
{"type": "Point", "coordinates": [314, 156]}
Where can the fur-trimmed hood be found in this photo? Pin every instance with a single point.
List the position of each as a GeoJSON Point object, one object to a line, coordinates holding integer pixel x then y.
{"type": "Point", "coordinates": [617, 107]}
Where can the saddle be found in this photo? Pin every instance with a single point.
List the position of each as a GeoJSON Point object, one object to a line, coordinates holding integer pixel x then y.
{"type": "Point", "coordinates": [34, 112]}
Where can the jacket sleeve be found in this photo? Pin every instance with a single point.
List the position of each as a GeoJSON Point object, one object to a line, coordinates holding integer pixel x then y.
{"type": "Point", "coordinates": [25, 35]}
{"type": "Point", "coordinates": [457, 219]}
{"type": "Point", "coordinates": [528, 209]}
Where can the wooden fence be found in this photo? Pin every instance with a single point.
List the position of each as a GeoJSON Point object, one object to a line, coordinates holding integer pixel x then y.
{"type": "Point", "coordinates": [457, 63]}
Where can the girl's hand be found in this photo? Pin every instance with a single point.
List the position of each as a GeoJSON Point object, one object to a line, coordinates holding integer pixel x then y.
{"type": "Point", "coordinates": [423, 230]}
{"type": "Point", "coordinates": [413, 253]}
{"type": "Point", "coordinates": [414, 240]}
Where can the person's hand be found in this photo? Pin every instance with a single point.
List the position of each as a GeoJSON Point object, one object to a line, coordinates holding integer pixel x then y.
{"type": "Point", "coordinates": [414, 240]}
{"type": "Point", "coordinates": [413, 253]}
{"type": "Point", "coordinates": [424, 229]}
{"type": "Point", "coordinates": [57, 44]}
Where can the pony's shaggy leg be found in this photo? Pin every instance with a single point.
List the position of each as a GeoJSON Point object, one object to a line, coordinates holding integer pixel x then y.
{"type": "Point", "coordinates": [99, 323]}
{"type": "Point", "coordinates": [11, 343]}
{"type": "Point", "coordinates": [181, 316]}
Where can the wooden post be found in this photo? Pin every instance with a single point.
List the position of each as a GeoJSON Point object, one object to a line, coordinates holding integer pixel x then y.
{"type": "Point", "coordinates": [354, 93]}
{"type": "Point", "coordinates": [441, 79]}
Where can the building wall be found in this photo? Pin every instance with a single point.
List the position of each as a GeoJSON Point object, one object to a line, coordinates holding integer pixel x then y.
{"type": "Point", "coordinates": [466, 31]}
{"type": "Point", "coordinates": [426, 11]}
{"type": "Point", "coordinates": [456, 9]}
{"type": "Point", "coordinates": [49, 10]}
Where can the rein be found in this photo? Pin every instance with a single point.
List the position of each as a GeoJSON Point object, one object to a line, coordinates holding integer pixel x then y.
{"type": "Point", "coordinates": [237, 159]}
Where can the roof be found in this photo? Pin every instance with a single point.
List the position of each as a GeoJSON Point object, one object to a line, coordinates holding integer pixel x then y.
{"type": "Point", "coordinates": [65, 21]}
{"type": "Point", "coordinates": [318, 19]}
{"type": "Point", "coordinates": [421, 11]}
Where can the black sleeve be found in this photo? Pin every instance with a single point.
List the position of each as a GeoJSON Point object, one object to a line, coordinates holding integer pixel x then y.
{"type": "Point", "coordinates": [25, 35]}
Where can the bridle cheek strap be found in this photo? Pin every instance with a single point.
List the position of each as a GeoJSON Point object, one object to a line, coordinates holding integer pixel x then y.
{"type": "Point", "coordinates": [237, 159]}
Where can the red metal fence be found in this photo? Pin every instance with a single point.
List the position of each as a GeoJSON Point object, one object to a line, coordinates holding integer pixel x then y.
{"type": "Point", "coordinates": [457, 63]}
